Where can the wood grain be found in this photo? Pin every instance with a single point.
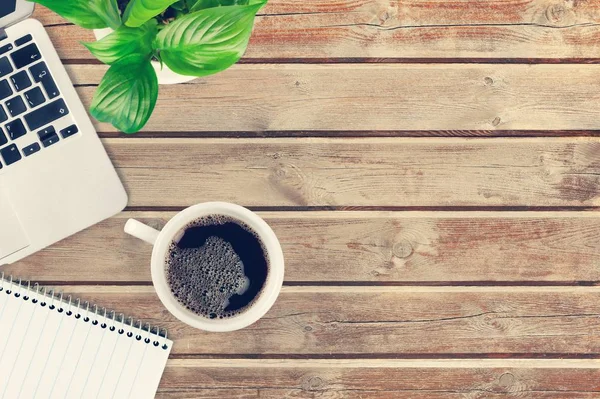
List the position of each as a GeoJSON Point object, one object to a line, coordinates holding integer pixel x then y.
{"type": "Point", "coordinates": [389, 379]}
{"type": "Point", "coordinates": [351, 29]}
{"type": "Point", "coordinates": [357, 394]}
{"type": "Point", "coordinates": [412, 172]}
{"type": "Point", "coordinates": [385, 321]}
{"type": "Point", "coordinates": [371, 97]}
{"type": "Point", "coordinates": [376, 247]}
{"type": "Point", "coordinates": [370, 324]}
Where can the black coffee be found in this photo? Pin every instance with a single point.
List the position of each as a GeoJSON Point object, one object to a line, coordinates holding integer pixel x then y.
{"type": "Point", "coordinates": [218, 268]}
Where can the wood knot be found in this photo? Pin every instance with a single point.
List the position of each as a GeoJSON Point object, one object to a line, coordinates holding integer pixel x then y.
{"type": "Point", "coordinates": [308, 328]}
{"type": "Point", "coordinates": [491, 323]}
{"type": "Point", "coordinates": [488, 81]}
{"type": "Point", "coordinates": [297, 83]}
{"type": "Point", "coordinates": [313, 384]}
{"type": "Point", "coordinates": [402, 249]}
{"type": "Point", "coordinates": [556, 13]}
{"type": "Point", "coordinates": [496, 121]}
{"type": "Point", "coordinates": [506, 380]}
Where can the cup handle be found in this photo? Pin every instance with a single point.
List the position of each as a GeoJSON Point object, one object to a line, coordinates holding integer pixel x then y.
{"type": "Point", "coordinates": [141, 231]}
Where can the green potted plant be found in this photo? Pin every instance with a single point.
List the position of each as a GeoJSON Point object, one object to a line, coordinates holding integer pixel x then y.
{"type": "Point", "coordinates": [142, 40]}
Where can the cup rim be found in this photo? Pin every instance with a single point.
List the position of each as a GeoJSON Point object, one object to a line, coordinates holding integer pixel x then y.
{"type": "Point", "coordinates": [266, 298]}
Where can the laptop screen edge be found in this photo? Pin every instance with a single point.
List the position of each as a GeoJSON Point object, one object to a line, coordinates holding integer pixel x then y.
{"type": "Point", "coordinates": [23, 10]}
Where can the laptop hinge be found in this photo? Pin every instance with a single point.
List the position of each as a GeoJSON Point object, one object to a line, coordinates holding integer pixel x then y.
{"type": "Point", "coordinates": [3, 34]}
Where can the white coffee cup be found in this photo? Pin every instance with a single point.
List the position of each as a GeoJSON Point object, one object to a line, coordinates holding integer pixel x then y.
{"type": "Point", "coordinates": [173, 230]}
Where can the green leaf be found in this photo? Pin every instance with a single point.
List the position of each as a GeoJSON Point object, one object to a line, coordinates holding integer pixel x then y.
{"type": "Point", "coordinates": [108, 11]}
{"type": "Point", "coordinates": [203, 4]}
{"type": "Point", "coordinates": [125, 41]}
{"type": "Point", "coordinates": [207, 41]}
{"type": "Point", "coordinates": [89, 14]}
{"type": "Point", "coordinates": [127, 94]}
{"type": "Point", "coordinates": [139, 12]}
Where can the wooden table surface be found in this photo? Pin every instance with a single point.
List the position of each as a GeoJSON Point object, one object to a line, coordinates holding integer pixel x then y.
{"type": "Point", "coordinates": [432, 169]}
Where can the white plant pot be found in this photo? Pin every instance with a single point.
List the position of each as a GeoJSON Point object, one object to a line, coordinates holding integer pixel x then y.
{"type": "Point", "coordinates": [165, 75]}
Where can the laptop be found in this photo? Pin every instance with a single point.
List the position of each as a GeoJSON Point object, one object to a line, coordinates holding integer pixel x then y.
{"type": "Point", "coordinates": [55, 176]}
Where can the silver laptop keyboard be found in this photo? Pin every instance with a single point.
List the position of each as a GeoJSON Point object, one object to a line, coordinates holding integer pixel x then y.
{"type": "Point", "coordinates": [30, 102]}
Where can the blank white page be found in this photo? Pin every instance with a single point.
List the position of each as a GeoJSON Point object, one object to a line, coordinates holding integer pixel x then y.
{"type": "Point", "coordinates": [151, 369]}
{"type": "Point", "coordinates": [47, 352]}
{"type": "Point", "coordinates": [3, 299]}
{"type": "Point", "coordinates": [9, 316]}
{"type": "Point", "coordinates": [29, 350]}
{"type": "Point", "coordinates": [40, 360]}
{"type": "Point", "coordinates": [18, 340]}
{"type": "Point", "coordinates": [72, 353]}
{"type": "Point", "coordinates": [97, 373]}
{"type": "Point", "coordinates": [56, 357]}
{"type": "Point", "coordinates": [109, 381]}
{"type": "Point", "coordinates": [130, 369]}
{"type": "Point", "coordinates": [88, 357]}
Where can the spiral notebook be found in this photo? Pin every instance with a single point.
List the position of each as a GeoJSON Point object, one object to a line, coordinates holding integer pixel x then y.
{"type": "Point", "coordinates": [55, 347]}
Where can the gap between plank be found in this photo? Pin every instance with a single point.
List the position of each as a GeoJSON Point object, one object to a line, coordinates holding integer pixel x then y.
{"type": "Point", "coordinates": [350, 208]}
{"type": "Point", "coordinates": [464, 284]}
{"type": "Point", "coordinates": [394, 356]}
{"type": "Point", "coordinates": [480, 134]}
{"type": "Point", "coordinates": [146, 288]}
{"type": "Point", "coordinates": [392, 363]}
{"type": "Point", "coordinates": [389, 60]}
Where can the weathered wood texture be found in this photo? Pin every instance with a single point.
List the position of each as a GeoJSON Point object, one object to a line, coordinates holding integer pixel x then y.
{"type": "Point", "coordinates": [361, 394]}
{"type": "Point", "coordinates": [321, 29]}
{"type": "Point", "coordinates": [384, 321]}
{"type": "Point", "coordinates": [478, 92]}
{"type": "Point", "coordinates": [389, 379]}
{"type": "Point", "coordinates": [373, 98]}
{"type": "Point", "coordinates": [376, 247]}
{"type": "Point", "coordinates": [416, 172]}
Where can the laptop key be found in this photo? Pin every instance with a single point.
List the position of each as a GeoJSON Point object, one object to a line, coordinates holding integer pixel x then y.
{"type": "Point", "coordinates": [50, 87]}
{"type": "Point", "coordinates": [48, 136]}
{"type": "Point", "coordinates": [31, 149]}
{"type": "Point", "coordinates": [20, 80]}
{"type": "Point", "coordinates": [6, 49]}
{"type": "Point", "coordinates": [5, 89]}
{"type": "Point", "coordinates": [46, 114]}
{"type": "Point", "coordinates": [15, 129]}
{"type": "Point", "coordinates": [16, 106]}
{"type": "Point", "coordinates": [5, 67]}
{"type": "Point", "coordinates": [35, 97]}
{"type": "Point", "coordinates": [26, 55]}
{"type": "Point", "coordinates": [22, 40]}
{"type": "Point", "coordinates": [69, 131]}
{"type": "Point", "coordinates": [3, 116]}
{"type": "Point", "coordinates": [39, 71]}
{"type": "Point", "coordinates": [3, 139]}
{"type": "Point", "coordinates": [47, 132]}
{"type": "Point", "coordinates": [49, 140]}
{"type": "Point", "coordinates": [10, 154]}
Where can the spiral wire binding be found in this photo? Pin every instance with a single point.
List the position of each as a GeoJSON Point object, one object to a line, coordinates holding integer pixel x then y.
{"type": "Point", "coordinates": [115, 323]}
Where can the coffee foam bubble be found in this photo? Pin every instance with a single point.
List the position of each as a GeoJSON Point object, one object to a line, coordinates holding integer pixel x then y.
{"type": "Point", "coordinates": [205, 278]}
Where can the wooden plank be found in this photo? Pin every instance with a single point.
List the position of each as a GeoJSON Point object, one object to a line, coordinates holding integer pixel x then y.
{"type": "Point", "coordinates": [389, 321]}
{"type": "Point", "coordinates": [321, 29]}
{"type": "Point", "coordinates": [371, 97]}
{"type": "Point", "coordinates": [356, 394]}
{"type": "Point", "coordinates": [415, 172]}
{"type": "Point", "coordinates": [378, 247]}
{"type": "Point", "coordinates": [388, 379]}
